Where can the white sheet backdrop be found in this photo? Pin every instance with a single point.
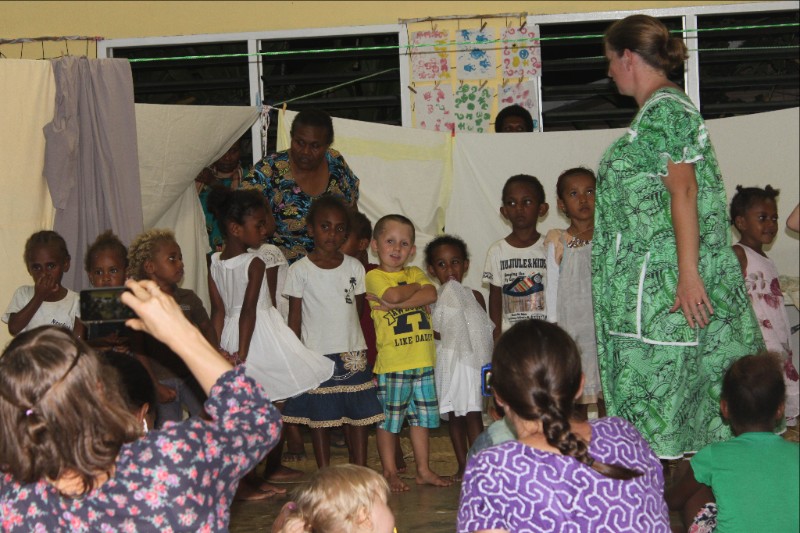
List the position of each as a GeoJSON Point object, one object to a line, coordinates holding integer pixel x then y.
{"type": "Point", "coordinates": [752, 150]}
{"type": "Point", "coordinates": [175, 143]}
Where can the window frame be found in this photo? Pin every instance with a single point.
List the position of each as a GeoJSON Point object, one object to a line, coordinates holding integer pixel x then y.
{"type": "Point", "coordinates": [688, 14]}
{"type": "Point", "coordinates": [106, 48]}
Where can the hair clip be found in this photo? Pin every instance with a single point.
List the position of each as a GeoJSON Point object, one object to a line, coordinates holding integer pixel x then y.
{"type": "Point", "coordinates": [589, 461]}
{"type": "Point", "coordinates": [29, 412]}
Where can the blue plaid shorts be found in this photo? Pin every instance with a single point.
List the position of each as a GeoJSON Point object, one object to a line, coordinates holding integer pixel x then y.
{"type": "Point", "coordinates": [410, 393]}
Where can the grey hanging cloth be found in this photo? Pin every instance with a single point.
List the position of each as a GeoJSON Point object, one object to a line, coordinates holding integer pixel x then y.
{"type": "Point", "coordinates": [91, 160]}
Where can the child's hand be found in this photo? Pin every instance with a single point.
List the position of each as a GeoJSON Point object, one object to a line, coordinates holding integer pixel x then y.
{"type": "Point", "coordinates": [383, 305]}
{"type": "Point", "coordinates": [165, 394]}
{"type": "Point", "coordinates": [45, 286]}
{"type": "Point", "coordinates": [285, 522]}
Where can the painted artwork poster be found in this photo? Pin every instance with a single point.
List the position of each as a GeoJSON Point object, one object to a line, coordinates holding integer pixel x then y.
{"type": "Point", "coordinates": [522, 94]}
{"type": "Point", "coordinates": [473, 108]}
{"type": "Point", "coordinates": [476, 61]}
{"type": "Point", "coordinates": [521, 58]}
{"type": "Point", "coordinates": [430, 63]}
{"type": "Point", "coordinates": [434, 108]}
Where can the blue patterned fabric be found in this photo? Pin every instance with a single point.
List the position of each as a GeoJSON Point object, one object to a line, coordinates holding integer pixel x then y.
{"type": "Point", "coordinates": [273, 177]}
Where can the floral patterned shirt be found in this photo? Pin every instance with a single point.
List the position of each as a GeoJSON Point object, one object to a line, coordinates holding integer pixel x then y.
{"type": "Point", "coordinates": [273, 177]}
{"type": "Point", "coordinates": [181, 478]}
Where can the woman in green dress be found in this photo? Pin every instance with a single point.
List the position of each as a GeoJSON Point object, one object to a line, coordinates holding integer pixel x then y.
{"type": "Point", "coordinates": [671, 309]}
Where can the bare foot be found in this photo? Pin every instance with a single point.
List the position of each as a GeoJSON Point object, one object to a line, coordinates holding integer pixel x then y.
{"type": "Point", "coordinates": [458, 476]}
{"type": "Point", "coordinates": [430, 478]}
{"type": "Point", "coordinates": [284, 474]}
{"type": "Point", "coordinates": [248, 493]}
{"type": "Point", "coordinates": [395, 483]}
{"type": "Point", "coordinates": [270, 489]}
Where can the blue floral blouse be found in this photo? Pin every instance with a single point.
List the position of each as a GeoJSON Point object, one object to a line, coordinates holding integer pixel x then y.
{"type": "Point", "coordinates": [181, 478]}
{"type": "Point", "coordinates": [273, 177]}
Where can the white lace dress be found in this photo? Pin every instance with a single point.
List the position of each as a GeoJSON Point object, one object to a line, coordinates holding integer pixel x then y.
{"type": "Point", "coordinates": [465, 346]}
{"type": "Point", "coordinates": [276, 359]}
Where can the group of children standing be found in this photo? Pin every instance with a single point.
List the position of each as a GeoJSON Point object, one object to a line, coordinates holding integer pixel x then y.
{"type": "Point", "coordinates": [430, 344]}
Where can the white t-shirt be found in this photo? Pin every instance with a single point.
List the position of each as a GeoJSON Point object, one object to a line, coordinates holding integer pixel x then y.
{"type": "Point", "coordinates": [61, 313]}
{"type": "Point", "coordinates": [330, 321]}
{"type": "Point", "coordinates": [521, 274]}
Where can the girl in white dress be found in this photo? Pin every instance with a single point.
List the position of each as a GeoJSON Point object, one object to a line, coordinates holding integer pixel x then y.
{"type": "Point", "coordinates": [569, 270]}
{"type": "Point", "coordinates": [463, 345]}
{"type": "Point", "coordinates": [249, 326]}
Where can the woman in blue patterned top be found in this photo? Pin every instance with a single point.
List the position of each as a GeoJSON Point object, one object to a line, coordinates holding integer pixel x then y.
{"type": "Point", "coordinates": [291, 179]}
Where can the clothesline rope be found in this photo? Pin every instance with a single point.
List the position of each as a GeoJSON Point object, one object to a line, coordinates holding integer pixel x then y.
{"type": "Point", "coordinates": [482, 44]}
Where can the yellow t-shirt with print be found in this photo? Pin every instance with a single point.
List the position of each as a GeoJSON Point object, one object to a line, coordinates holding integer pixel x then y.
{"type": "Point", "coordinates": [404, 337]}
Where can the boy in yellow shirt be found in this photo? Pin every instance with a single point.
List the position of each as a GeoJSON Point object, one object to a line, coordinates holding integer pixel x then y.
{"type": "Point", "coordinates": [406, 353]}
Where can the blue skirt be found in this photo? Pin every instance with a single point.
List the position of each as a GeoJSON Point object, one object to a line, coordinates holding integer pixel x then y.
{"type": "Point", "coordinates": [349, 397]}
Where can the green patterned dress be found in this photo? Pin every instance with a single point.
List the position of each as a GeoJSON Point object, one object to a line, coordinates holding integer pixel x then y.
{"type": "Point", "coordinates": [656, 371]}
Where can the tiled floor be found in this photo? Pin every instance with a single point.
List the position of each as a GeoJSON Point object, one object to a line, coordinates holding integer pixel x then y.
{"type": "Point", "coordinates": [422, 509]}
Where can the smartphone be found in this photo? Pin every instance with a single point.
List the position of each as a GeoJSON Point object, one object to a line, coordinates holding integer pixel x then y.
{"type": "Point", "coordinates": [486, 379]}
{"type": "Point", "coordinates": [103, 305]}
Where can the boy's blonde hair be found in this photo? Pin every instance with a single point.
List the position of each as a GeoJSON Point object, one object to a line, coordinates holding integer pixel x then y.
{"type": "Point", "coordinates": [339, 498]}
{"type": "Point", "coordinates": [143, 248]}
{"type": "Point", "coordinates": [380, 225]}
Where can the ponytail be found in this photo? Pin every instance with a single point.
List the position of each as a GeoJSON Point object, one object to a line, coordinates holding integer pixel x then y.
{"type": "Point", "coordinates": [537, 372]}
{"type": "Point", "coordinates": [557, 431]}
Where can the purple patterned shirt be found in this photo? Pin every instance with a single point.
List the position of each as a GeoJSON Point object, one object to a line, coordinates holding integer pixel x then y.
{"type": "Point", "coordinates": [517, 488]}
{"type": "Point", "coordinates": [181, 478]}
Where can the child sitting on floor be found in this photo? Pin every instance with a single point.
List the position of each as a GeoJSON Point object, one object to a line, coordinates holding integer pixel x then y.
{"type": "Point", "coordinates": [751, 482]}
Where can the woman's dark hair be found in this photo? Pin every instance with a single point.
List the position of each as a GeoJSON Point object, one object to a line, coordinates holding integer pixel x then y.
{"type": "Point", "coordinates": [445, 240]}
{"type": "Point", "coordinates": [61, 408]}
{"type": "Point", "coordinates": [232, 206]}
{"type": "Point", "coordinates": [536, 371]}
{"type": "Point", "coordinates": [48, 239]}
{"type": "Point", "coordinates": [531, 181]}
{"type": "Point", "coordinates": [745, 197]}
{"type": "Point", "coordinates": [577, 171]}
{"type": "Point", "coordinates": [105, 241]}
{"type": "Point", "coordinates": [648, 37]}
{"type": "Point", "coordinates": [136, 382]}
{"type": "Point", "coordinates": [327, 201]}
{"type": "Point", "coordinates": [314, 118]}
{"type": "Point", "coordinates": [754, 388]}
{"type": "Point", "coordinates": [360, 224]}
{"type": "Point", "coordinates": [513, 110]}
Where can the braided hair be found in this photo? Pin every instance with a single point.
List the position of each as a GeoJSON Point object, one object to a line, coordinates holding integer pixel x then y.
{"type": "Point", "coordinates": [536, 370]}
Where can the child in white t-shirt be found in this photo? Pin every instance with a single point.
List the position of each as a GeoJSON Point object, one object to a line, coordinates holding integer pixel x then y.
{"type": "Point", "coordinates": [46, 302]}
{"type": "Point", "coordinates": [516, 266]}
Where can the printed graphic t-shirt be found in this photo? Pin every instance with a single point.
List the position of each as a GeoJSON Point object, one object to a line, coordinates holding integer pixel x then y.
{"type": "Point", "coordinates": [521, 274]}
{"type": "Point", "coordinates": [404, 336]}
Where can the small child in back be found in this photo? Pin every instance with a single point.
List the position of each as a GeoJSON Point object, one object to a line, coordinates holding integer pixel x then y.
{"type": "Point", "coordinates": [46, 302]}
{"type": "Point", "coordinates": [569, 277]}
{"type": "Point", "coordinates": [106, 262]}
{"type": "Point", "coordinates": [754, 212]}
{"type": "Point", "coordinates": [406, 353]}
{"type": "Point", "coordinates": [751, 482]}
{"type": "Point", "coordinates": [341, 498]}
{"type": "Point", "coordinates": [516, 269]}
{"type": "Point", "coordinates": [156, 255]}
{"type": "Point", "coordinates": [464, 346]}
{"type": "Point", "coordinates": [356, 246]}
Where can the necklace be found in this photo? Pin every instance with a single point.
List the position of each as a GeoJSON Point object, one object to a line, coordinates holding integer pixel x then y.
{"type": "Point", "coordinates": [577, 242]}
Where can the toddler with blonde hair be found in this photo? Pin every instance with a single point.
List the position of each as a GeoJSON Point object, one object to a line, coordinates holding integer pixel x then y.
{"type": "Point", "coordinates": [344, 498]}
